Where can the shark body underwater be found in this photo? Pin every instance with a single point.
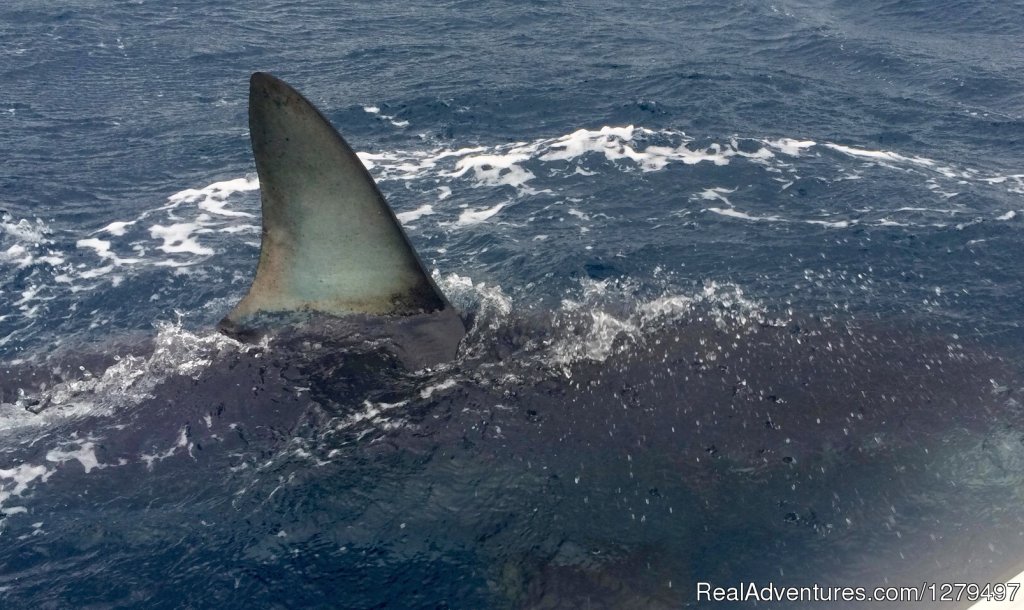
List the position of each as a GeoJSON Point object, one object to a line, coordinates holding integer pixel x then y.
{"type": "Point", "coordinates": [371, 453]}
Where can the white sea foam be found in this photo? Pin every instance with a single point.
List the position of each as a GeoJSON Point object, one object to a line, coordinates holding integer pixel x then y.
{"type": "Point", "coordinates": [102, 249]}
{"type": "Point", "coordinates": [880, 155]}
{"type": "Point", "coordinates": [609, 141]}
{"type": "Point", "coordinates": [519, 165]}
{"type": "Point", "coordinates": [472, 217]}
{"type": "Point", "coordinates": [376, 413]}
{"type": "Point", "coordinates": [494, 170]}
{"type": "Point", "coordinates": [85, 454]}
{"type": "Point", "coordinates": [1014, 183]}
{"type": "Point", "coordinates": [129, 380]}
{"type": "Point", "coordinates": [183, 443]}
{"type": "Point", "coordinates": [618, 143]}
{"type": "Point", "coordinates": [214, 196]}
{"type": "Point", "coordinates": [835, 224]}
{"type": "Point", "coordinates": [117, 228]}
{"type": "Point", "coordinates": [120, 248]}
{"type": "Point", "coordinates": [733, 213]}
{"type": "Point", "coordinates": [16, 480]}
{"type": "Point", "coordinates": [375, 110]}
{"type": "Point", "coordinates": [429, 391]}
{"type": "Point", "coordinates": [181, 237]}
{"type": "Point", "coordinates": [17, 255]}
{"type": "Point", "coordinates": [414, 215]}
{"type": "Point", "coordinates": [594, 325]}
{"type": "Point", "coordinates": [790, 146]}
{"type": "Point", "coordinates": [717, 194]}
{"type": "Point", "coordinates": [101, 246]}
{"type": "Point", "coordinates": [25, 231]}
{"type": "Point", "coordinates": [489, 300]}
{"type": "Point", "coordinates": [194, 224]}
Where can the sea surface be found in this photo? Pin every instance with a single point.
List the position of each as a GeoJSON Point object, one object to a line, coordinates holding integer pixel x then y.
{"type": "Point", "coordinates": [580, 177]}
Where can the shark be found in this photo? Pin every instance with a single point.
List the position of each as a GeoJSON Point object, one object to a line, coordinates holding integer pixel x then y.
{"type": "Point", "coordinates": [330, 242]}
{"type": "Point", "coordinates": [350, 440]}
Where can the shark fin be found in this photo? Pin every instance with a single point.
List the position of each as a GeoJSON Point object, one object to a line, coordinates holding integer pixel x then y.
{"type": "Point", "coordinates": [330, 242]}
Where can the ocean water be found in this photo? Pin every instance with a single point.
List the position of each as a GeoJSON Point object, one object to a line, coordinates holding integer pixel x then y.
{"type": "Point", "coordinates": [583, 179]}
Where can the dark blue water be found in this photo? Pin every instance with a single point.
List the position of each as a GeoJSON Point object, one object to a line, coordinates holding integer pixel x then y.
{"type": "Point", "coordinates": [831, 160]}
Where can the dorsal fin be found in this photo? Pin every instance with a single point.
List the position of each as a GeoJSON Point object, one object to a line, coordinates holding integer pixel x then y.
{"type": "Point", "coordinates": [330, 243]}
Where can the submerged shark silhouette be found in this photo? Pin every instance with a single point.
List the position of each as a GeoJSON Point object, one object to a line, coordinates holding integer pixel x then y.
{"type": "Point", "coordinates": [329, 468]}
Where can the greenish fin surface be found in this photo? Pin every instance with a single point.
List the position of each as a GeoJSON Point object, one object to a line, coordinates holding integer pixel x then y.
{"type": "Point", "coordinates": [330, 242]}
